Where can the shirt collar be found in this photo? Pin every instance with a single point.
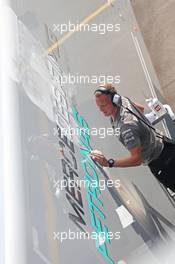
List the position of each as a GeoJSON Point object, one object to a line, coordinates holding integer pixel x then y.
{"type": "Point", "coordinates": [117, 116]}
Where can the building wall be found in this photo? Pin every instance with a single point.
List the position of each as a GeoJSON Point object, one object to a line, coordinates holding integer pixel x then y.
{"type": "Point", "coordinates": [157, 24]}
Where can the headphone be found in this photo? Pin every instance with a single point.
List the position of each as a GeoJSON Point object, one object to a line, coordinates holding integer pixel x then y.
{"type": "Point", "coordinates": [116, 99]}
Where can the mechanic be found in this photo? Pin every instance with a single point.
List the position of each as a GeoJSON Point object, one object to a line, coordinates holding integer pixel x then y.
{"type": "Point", "coordinates": [145, 145]}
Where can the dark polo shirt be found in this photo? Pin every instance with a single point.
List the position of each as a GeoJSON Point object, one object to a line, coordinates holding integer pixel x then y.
{"type": "Point", "coordinates": [134, 133]}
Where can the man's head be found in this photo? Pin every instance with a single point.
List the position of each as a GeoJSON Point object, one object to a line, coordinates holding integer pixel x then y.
{"type": "Point", "coordinates": [104, 101]}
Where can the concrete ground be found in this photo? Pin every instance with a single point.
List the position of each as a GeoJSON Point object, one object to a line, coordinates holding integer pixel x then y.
{"type": "Point", "coordinates": [156, 20]}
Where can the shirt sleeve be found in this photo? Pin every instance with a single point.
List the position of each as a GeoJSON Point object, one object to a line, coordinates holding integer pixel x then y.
{"type": "Point", "coordinates": [129, 136]}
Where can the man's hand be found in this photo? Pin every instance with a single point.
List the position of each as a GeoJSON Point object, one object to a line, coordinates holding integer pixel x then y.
{"type": "Point", "coordinates": [99, 157]}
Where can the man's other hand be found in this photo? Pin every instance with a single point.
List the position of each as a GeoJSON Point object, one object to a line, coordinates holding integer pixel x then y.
{"type": "Point", "coordinates": [98, 156]}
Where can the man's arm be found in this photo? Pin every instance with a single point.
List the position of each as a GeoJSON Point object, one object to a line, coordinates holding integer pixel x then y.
{"type": "Point", "coordinates": [139, 106]}
{"type": "Point", "coordinates": [130, 138]}
{"type": "Point", "coordinates": [134, 159]}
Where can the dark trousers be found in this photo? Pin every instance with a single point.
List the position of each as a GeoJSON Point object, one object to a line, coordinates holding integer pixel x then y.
{"type": "Point", "coordinates": [163, 168]}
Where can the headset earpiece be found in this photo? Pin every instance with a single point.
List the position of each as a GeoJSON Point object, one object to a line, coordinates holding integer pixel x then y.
{"type": "Point", "coordinates": [117, 100]}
